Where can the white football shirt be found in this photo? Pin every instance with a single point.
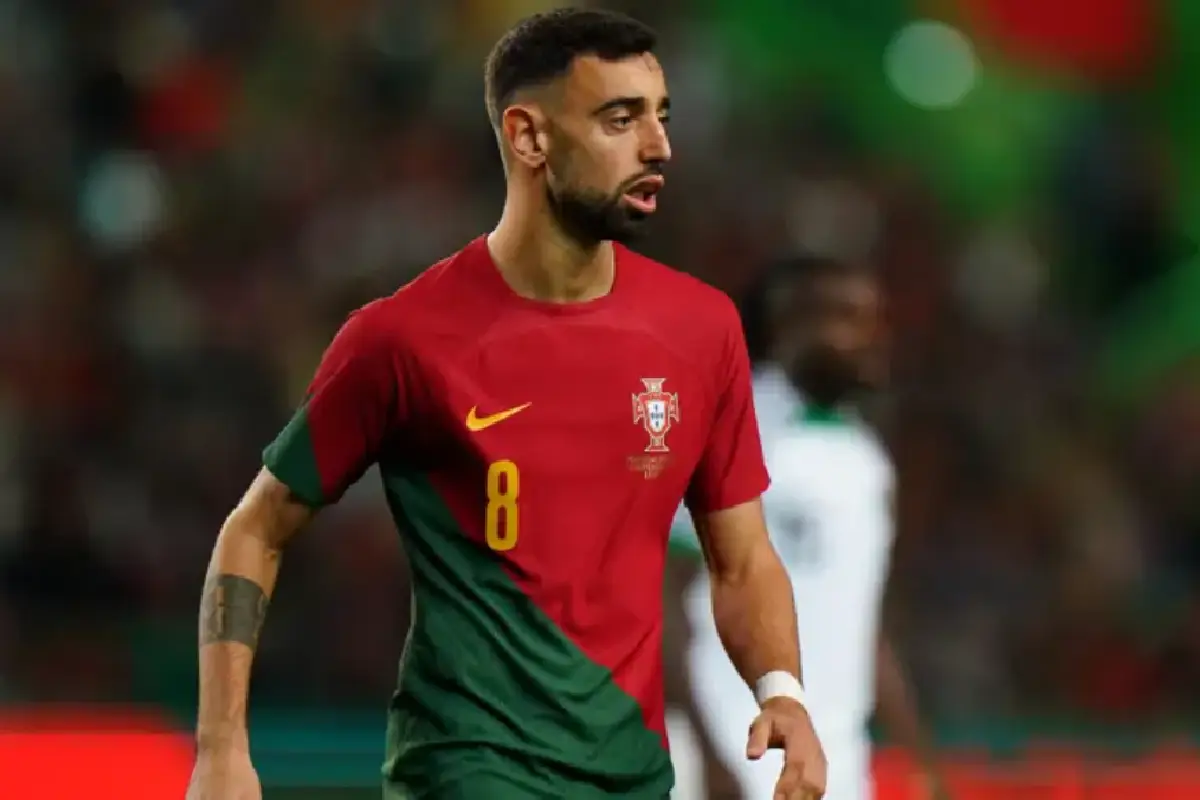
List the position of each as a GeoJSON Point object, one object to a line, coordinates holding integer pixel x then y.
{"type": "Point", "coordinates": [828, 511]}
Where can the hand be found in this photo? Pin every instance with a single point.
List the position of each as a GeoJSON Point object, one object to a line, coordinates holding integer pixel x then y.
{"type": "Point", "coordinates": [224, 774]}
{"type": "Point", "coordinates": [930, 786]}
{"type": "Point", "coordinates": [785, 724]}
{"type": "Point", "coordinates": [939, 791]}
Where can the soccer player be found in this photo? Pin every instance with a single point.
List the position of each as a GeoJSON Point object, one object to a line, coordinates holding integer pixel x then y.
{"type": "Point", "coordinates": [829, 512]}
{"type": "Point", "coordinates": [538, 404]}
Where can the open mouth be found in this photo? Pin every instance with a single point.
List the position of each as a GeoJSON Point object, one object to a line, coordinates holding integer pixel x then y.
{"type": "Point", "coordinates": [643, 195]}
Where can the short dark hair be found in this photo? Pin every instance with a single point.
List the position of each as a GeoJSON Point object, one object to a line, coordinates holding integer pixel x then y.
{"type": "Point", "coordinates": [775, 287]}
{"type": "Point", "coordinates": [543, 46]}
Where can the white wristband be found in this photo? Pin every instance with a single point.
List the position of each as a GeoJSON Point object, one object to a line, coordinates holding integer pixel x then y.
{"type": "Point", "coordinates": [778, 684]}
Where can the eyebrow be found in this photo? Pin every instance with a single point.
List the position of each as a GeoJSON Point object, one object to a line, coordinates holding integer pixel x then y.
{"type": "Point", "coordinates": [633, 104]}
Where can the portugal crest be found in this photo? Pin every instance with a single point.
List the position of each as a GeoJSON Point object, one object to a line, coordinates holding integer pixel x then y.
{"type": "Point", "coordinates": [655, 410]}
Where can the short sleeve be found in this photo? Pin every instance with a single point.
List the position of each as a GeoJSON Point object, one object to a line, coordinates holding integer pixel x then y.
{"type": "Point", "coordinates": [683, 541]}
{"type": "Point", "coordinates": [731, 470]}
{"type": "Point", "coordinates": [350, 410]}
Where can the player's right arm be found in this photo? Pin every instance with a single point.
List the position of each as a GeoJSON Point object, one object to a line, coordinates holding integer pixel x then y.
{"type": "Point", "coordinates": [353, 405]}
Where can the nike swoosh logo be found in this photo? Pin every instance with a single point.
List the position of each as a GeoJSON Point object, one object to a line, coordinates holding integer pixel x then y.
{"type": "Point", "coordinates": [476, 424]}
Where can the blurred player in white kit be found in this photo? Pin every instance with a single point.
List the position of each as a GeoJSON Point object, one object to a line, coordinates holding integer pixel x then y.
{"type": "Point", "coordinates": [829, 513]}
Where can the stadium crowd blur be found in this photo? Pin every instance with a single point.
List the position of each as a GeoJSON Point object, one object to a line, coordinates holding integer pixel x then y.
{"type": "Point", "coordinates": [194, 194]}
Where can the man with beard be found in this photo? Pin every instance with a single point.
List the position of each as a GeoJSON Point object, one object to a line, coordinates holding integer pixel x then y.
{"type": "Point", "coordinates": [538, 405]}
{"type": "Point", "coordinates": [817, 329]}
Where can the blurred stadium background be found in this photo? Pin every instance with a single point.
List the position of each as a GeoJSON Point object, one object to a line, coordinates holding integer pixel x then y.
{"type": "Point", "coordinates": [193, 193]}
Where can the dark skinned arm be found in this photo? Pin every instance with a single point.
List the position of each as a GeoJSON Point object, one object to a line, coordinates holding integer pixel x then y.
{"type": "Point", "coordinates": [682, 568]}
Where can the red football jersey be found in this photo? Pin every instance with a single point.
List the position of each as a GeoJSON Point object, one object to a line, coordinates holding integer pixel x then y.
{"type": "Point", "coordinates": [534, 455]}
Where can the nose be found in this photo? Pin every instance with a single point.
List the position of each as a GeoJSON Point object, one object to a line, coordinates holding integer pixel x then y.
{"type": "Point", "coordinates": [656, 144]}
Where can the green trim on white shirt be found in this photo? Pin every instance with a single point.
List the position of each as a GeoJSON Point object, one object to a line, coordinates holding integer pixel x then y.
{"type": "Point", "coordinates": [683, 542]}
{"type": "Point", "coordinates": [812, 414]}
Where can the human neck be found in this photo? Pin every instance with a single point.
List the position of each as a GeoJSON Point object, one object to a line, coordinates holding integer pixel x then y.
{"type": "Point", "coordinates": [539, 261]}
{"type": "Point", "coordinates": [819, 391]}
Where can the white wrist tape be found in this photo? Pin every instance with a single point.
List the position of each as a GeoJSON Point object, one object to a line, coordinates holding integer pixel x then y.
{"type": "Point", "coordinates": [778, 684]}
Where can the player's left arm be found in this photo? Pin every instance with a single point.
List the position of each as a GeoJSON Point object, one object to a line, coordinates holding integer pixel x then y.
{"type": "Point", "coordinates": [896, 703]}
{"type": "Point", "coordinates": [898, 710]}
{"type": "Point", "coordinates": [752, 599]}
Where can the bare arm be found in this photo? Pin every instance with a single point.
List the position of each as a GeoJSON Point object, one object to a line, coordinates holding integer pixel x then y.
{"type": "Point", "coordinates": [751, 592]}
{"type": "Point", "coordinates": [353, 404]}
{"type": "Point", "coordinates": [756, 619]}
{"type": "Point", "coordinates": [896, 706]}
{"type": "Point", "coordinates": [241, 577]}
{"type": "Point", "coordinates": [895, 702]}
{"type": "Point", "coordinates": [897, 709]}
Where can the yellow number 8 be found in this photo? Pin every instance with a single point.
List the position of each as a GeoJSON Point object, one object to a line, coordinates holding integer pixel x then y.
{"type": "Point", "coordinates": [502, 519]}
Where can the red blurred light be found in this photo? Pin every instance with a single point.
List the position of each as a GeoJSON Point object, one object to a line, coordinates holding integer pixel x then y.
{"type": "Point", "coordinates": [1101, 39]}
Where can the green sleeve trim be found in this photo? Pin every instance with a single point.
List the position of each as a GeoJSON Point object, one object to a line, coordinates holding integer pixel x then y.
{"type": "Point", "coordinates": [683, 542]}
{"type": "Point", "coordinates": [292, 460]}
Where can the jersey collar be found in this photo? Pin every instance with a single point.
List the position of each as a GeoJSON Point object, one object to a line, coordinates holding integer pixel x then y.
{"type": "Point", "coordinates": [821, 415]}
{"type": "Point", "coordinates": [770, 377]}
{"type": "Point", "coordinates": [815, 414]}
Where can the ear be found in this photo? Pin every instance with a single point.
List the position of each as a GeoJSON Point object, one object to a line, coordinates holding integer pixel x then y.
{"type": "Point", "coordinates": [523, 128]}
